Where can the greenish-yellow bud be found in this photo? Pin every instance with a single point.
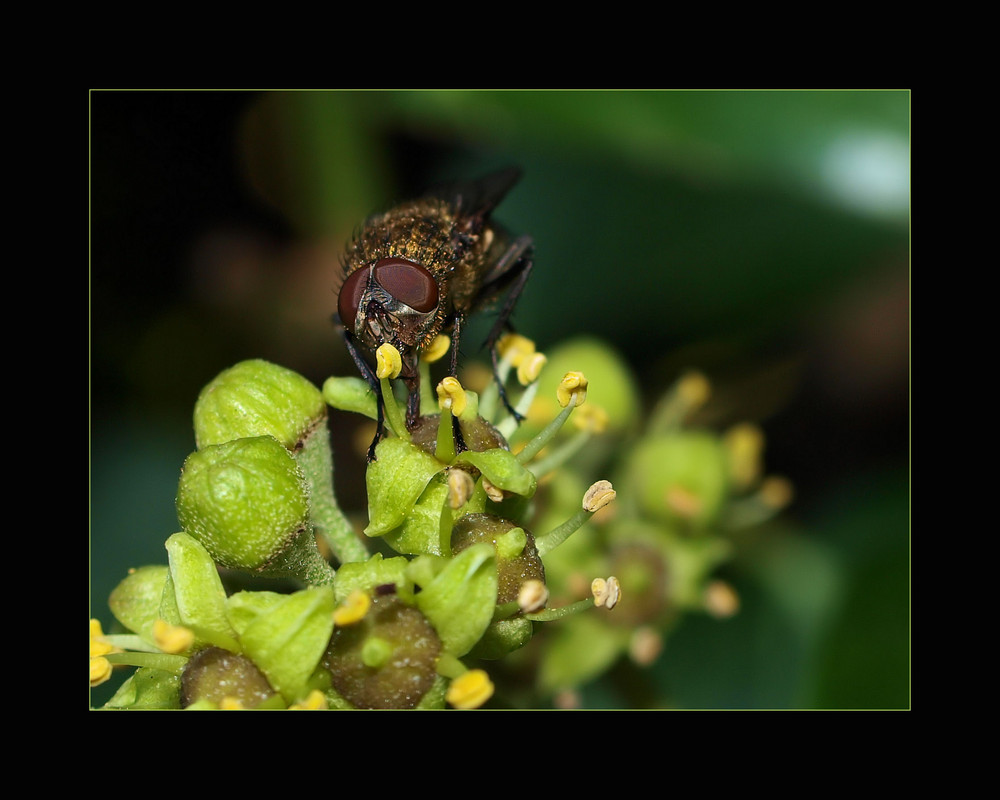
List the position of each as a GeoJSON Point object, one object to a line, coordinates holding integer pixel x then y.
{"type": "Point", "coordinates": [257, 398]}
{"type": "Point", "coordinates": [245, 501]}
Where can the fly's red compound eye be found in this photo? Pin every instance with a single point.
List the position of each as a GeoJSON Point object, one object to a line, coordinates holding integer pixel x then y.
{"type": "Point", "coordinates": [349, 300]}
{"type": "Point", "coordinates": [407, 282]}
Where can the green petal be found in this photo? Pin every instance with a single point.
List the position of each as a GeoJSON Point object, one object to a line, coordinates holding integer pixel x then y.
{"type": "Point", "coordinates": [135, 601]}
{"type": "Point", "coordinates": [396, 479]}
{"type": "Point", "coordinates": [287, 640]}
{"type": "Point", "coordinates": [502, 469]}
{"type": "Point", "coordinates": [197, 588]}
{"type": "Point", "coordinates": [366, 575]}
{"type": "Point", "coordinates": [460, 600]}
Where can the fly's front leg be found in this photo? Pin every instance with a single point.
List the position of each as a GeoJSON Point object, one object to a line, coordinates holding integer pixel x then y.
{"type": "Point", "coordinates": [369, 375]}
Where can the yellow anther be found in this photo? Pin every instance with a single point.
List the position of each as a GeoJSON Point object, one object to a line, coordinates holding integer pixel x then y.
{"type": "Point", "coordinates": [100, 670]}
{"type": "Point", "coordinates": [388, 362]}
{"type": "Point", "coordinates": [495, 494]}
{"type": "Point", "coordinates": [353, 608]}
{"type": "Point", "coordinates": [745, 445]}
{"type": "Point", "coordinates": [515, 348]}
{"type": "Point", "coordinates": [451, 395]}
{"type": "Point", "coordinates": [437, 349]}
{"type": "Point", "coordinates": [172, 638]}
{"type": "Point", "coordinates": [591, 418]}
{"type": "Point", "coordinates": [231, 704]}
{"type": "Point", "coordinates": [694, 389]}
{"type": "Point", "coordinates": [460, 487]}
{"type": "Point", "coordinates": [598, 496]}
{"type": "Point", "coordinates": [606, 593]}
{"type": "Point", "coordinates": [98, 645]}
{"type": "Point", "coordinates": [572, 389]}
{"type": "Point", "coordinates": [530, 368]}
{"type": "Point", "coordinates": [776, 492]}
{"type": "Point", "coordinates": [721, 599]}
{"type": "Point", "coordinates": [645, 645]}
{"type": "Point", "coordinates": [315, 701]}
{"type": "Point", "coordinates": [470, 689]}
{"type": "Point", "coordinates": [532, 596]}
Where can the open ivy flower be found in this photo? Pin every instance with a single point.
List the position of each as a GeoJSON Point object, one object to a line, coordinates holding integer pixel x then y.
{"type": "Point", "coordinates": [448, 496]}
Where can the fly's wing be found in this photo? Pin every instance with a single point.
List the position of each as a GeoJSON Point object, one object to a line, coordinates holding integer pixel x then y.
{"type": "Point", "coordinates": [476, 199]}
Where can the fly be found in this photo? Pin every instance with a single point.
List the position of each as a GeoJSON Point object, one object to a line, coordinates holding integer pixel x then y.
{"type": "Point", "coordinates": [422, 269]}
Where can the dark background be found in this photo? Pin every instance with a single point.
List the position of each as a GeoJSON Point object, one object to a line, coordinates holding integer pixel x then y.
{"type": "Point", "coordinates": [762, 237]}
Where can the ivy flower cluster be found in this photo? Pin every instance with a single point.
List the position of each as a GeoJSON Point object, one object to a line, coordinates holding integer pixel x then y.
{"type": "Point", "coordinates": [450, 572]}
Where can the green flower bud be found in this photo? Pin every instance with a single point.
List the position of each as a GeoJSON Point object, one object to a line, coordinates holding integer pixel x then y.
{"type": "Point", "coordinates": [257, 398]}
{"type": "Point", "coordinates": [386, 660]}
{"type": "Point", "coordinates": [680, 477]}
{"type": "Point", "coordinates": [215, 676]}
{"type": "Point", "coordinates": [246, 501]}
{"type": "Point", "coordinates": [611, 385]}
{"type": "Point", "coordinates": [135, 601]}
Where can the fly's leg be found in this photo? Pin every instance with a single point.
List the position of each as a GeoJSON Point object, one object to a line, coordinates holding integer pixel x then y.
{"type": "Point", "coordinates": [369, 375]}
{"type": "Point", "coordinates": [511, 273]}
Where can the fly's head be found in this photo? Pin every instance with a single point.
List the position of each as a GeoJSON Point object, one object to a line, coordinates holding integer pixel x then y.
{"type": "Point", "coordinates": [391, 300]}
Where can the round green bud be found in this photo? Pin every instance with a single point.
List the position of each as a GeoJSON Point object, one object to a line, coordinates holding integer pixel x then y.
{"type": "Point", "coordinates": [245, 501]}
{"type": "Point", "coordinates": [517, 559]}
{"type": "Point", "coordinates": [257, 398]}
{"type": "Point", "coordinates": [385, 660]}
{"type": "Point", "coordinates": [611, 385]}
{"type": "Point", "coordinates": [214, 675]}
{"type": "Point", "coordinates": [680, 477]}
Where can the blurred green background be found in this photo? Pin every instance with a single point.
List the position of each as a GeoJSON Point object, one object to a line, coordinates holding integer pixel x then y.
{"type": "Point", "coordinates": [762, 237]}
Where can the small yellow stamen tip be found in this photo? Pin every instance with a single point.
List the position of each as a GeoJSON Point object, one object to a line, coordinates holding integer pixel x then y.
{"type": "Point", "coordinates": [572, 389]}
{"type": "Point", "coordinates": [470, 689]}
{"type": "Point", "coordinates": [100, 670]}
{"type": "Point", "coordinates": [230, 704]}
{"type": "Point", "coordinates": [172, 638]}
{"type": "Point", "coordinates": [515, 348]}
{"type": "Point", "coordinates": [532, 596]}
{"type": "Point", "coordinates": [694, 389]}
{"type": "Point", "coordinates": [388, 362]}
{"type": "Point", "coordinates": [645, 645]}
{"type": "Point", "coordinates": [353, 609]}
{"type": "Point", "coordinates": [606, 593]}
{"type": "Point", "coordinates": [316, 701]}
{"type": "Point", "coordinates": [598, 496]}
{"type": "Point", "coordinates": [451, 395]}
{"type": "Point", "coordinates": [682, 501]}
{"type": "Point", "coordinates": [721, 599]}
{"type": "Point", "coordinates": [745, 445]}
{"type": "Point", "coordinates": [776, 492]}
{"type": "Point", "coordinates": [460, 487]}
{"type": "Point", "coordinates": [591, 418]}
{"type": "Point", "coordinates": [437, 349]}
{"type": "Point", "coordinates": [530, 368]}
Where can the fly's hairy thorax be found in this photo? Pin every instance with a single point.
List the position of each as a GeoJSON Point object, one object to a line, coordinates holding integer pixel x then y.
{"type": "Point", "coordinates": [428, 232]}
